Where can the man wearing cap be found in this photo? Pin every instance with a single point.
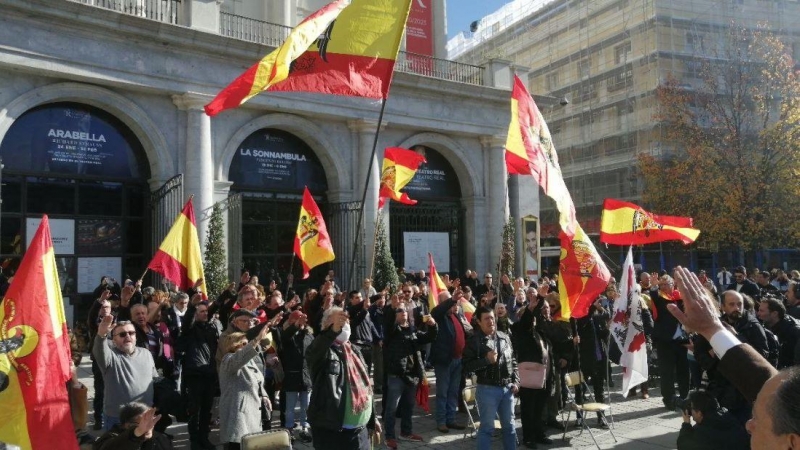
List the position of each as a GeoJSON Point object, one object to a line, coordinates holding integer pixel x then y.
{"type": "Point", "coordinates": [485, 287]}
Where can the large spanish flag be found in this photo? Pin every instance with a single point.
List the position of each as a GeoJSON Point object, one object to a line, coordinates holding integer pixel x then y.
{"type": "Point", "coordinates": [399, 167]}
{"type": "Point", "coordinates": [530, 151]}
{"type": "Point", "coordinates": [624, 223]}
{"type": "Point", "coordinates": [35, 354]}
{"type": "Point", "coordinates": [437, 285]}
{"type": "Point", "coordinates": [312, 244]}
{"type": "Point", "coordinates": [582, 274]}
{"type": "Point", "coordinates": [178, 258]}
{"type": "Point", "coordinates": [341, 49]}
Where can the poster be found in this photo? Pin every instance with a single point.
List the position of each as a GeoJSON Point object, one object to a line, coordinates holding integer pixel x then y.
{"type": "Point", "coordinates": [62, 232]}
{"type": "Point", "coordinates": [531, 259]}
{"type": "Point", "coordinates": [99, 236]}
{"type": "Point", "coordinates": [419, 36]}
{"type": "Point", "coordinates": [92, 270]}
{"type": "Point", "coordinates": [417, 245]}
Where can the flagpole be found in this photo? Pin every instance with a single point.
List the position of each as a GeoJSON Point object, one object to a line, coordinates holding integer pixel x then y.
{"type": "Point", "coordinates": [375, 243]}
{"type": "Point", "coordinates": [291, 269]}
{"type": "Point", "coordinates": [356, 242]}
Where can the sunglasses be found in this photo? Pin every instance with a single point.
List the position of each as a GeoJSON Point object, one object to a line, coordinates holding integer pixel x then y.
{"type": "Point", "coordinates": [126, 333]}
{"type": "Point", "coordinates": [406, 292]}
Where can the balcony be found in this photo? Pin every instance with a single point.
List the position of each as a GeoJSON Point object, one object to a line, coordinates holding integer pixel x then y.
{"type": "Point", "coordinates": [160, 10]}
{"type": "Point", "coordinates": [271, 34]}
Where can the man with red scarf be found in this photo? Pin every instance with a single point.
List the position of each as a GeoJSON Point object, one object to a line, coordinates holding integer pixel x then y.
{"type": "Point", "coordinates": [670, 342]}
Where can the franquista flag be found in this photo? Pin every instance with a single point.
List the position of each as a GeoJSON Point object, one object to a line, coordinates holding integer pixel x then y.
{"type": "Point", "coordinates": [437, 285]}
{"type": "Point", "coordinates": [627, 328]}
{"type": "Point", "coordinates": [530, 151]}
{"type": "Point", "coordinates": [624, 223]}
{"type": "Point", "coordinates": [312, 244]}
{"type": "Point", "coordinates": [399, 167]}
{"type": "Point", "coordinates": [35, 354]}
{"type": "Point", "coordinates": [341, 49]}
{"type": "Point", "coordinates": [178, 258]}
{"type": "Point", "coordinates": [582, 274]}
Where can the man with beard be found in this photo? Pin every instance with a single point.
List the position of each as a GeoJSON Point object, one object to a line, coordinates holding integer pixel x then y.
{"type": "Point", "coordinates": [749, 330]}
{"type": "Point", "coordinates": [127, 370]}
{"type": "Point", "coordinates": [786, 328]}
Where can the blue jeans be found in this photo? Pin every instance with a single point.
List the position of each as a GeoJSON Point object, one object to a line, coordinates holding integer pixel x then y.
{"type": "Point", "coordinates": [291, 402]}
{"type": "Point", "coordinates": [495, 400]}
{"type": "Point", "coordinates": [109, 422]}
{"type": "Point", "coordinates": [398, 392]}
{"type": "Point", "coordinates": [448, 379]}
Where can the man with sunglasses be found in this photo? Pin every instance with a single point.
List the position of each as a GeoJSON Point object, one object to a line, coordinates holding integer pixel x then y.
{"type": "Point", "coordinates": [128, 370]}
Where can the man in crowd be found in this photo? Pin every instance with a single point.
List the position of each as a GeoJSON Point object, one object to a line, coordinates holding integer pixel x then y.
{"type": "Point", "coordinates": [741, 284]}
{"type": "Point", "coordinates": [669, 341]}
{"type": "Point", "coordinates": [99, 310]}
{"type": "Point", "coordinates": [362, 330]}
{"type": "Point", "coordinates": [781, 281]}
{"type": "Point", "coordinates": [376, 316]}
{"type": "Point", "coordinates": [764, 285]}
{"type": "Point", "coordinates": [127, 370]}
{"type": "Point", "coordinates": [786, 328]}
{"type": "Point", "coordinates": [446, 354]}
{"type": "Point", "coordinates": [489, 354]}
{"type": "Point", "coordinates": [747, 327]}
{"type": "Point", "coordinates": [724, 278]}
{"type": "Point", "coordinates": [176, 313]}
{"type": "Point", "coordinates": [714, 427]}
{"type": "Point", "coordinates": [136, 430]}
{"type": "Point", "coordinates": [793, 300]}
{"type": "Point", "coordinates": [486, 287]}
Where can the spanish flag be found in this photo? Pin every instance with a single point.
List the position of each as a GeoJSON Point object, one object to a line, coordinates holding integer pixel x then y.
{"type": "Point", "coordinates": [35, 354]}
{"type": "Point", "coordinates": [399, 167]}
{"type": "Point", "coordinates": [624, 223]}
{"type": "Point", "coordinates": [311, 241]}
{"type": "Point", "coordinates": [178, 258]}
{"type": "Point", "coordinates": [276, 66]}
{"type": "Point", "coordinates": [582, 274]}
{"type": "Point", "coordinates": [341, 49]}
{"type": "Point", "coordinates": [530, 151]}
{"type": "Point", "coordinates": [437, 285]}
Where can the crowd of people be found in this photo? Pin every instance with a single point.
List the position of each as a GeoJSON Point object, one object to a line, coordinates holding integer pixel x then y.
{"type": "Point", "coordinates": [313, 362]}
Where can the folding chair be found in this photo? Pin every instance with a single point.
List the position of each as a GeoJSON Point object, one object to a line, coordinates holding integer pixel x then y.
{"type": "Point", "coordinates": [573, 379]}
{"type": "Point", "coordinates": [279, 439]}
{"type": "Point", "coordinates": [469, 401]}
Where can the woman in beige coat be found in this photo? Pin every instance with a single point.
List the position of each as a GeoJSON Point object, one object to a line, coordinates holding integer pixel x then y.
{"type": "Point", "coordinates": [241, 381]}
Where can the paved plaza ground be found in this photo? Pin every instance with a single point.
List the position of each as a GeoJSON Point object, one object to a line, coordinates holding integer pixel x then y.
{"type": "Point", "coordinates": [638, 425]}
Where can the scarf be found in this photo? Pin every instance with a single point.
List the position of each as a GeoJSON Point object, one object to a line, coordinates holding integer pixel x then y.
{"type": "Point", "coordinates": [358, 378]}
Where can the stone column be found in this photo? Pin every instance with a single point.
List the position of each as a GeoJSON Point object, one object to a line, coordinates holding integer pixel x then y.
{"type": "Point", "coordinates": [496, 197]}
{"type": "Point", "coordinates": [198, 167]}
{"type": "Point", "coordinates": [365, 131]}
{"type": "Point", "coordinates": [475, 226]}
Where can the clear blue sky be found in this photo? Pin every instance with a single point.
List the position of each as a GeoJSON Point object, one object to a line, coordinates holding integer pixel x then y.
{"type": "Point", "coordinates": [460, 13]}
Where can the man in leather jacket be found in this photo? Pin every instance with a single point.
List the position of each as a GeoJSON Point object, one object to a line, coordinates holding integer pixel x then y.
{"type": "Point", "coordinates": [490, 355]}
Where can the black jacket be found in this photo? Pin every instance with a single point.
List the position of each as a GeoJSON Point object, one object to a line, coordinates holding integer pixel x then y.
{"type": "Point", "coordinates": [294, 344]}
{"type": "Point", "coordinates": [750, 331]}
{"type": "Point", "coordinates": [531, 345]}
{"type": "Point", "coordinates": [788, 332]}
{"type": "Point", "coordinates": [499, 374]}
{"type": "Point", "coordinates": [718, 430]}
{"type": "Point", "coordinates": [198, 345]}
{"type": "Point", "coordinates": [119, 438]}
{"type": "Point", "coordinates": [665, 324]}
{"type": "Point", "coordinates": [748, 287]}
{"type": "Point", "coordinates": [402, 352]}
{"type": "Point", "coordinates": [327, 365]}
{"type": "Point", "coordinates": [363, 331]}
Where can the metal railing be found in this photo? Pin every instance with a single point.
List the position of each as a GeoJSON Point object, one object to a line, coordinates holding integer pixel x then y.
{"type": "Point", "coordinates": [439, 68]}
{"type": "Point", "coordinates": [252, 30]}
{"type": "Point", "coordinates": [160, 10]}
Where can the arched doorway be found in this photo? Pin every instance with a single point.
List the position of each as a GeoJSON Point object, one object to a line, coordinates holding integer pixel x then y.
{"type": "Point", "coordinates": [437, 218]}
{"type": "Point", "coordinates": [270, 169]}
{"type": "Point", "coordinates": [88, 172]}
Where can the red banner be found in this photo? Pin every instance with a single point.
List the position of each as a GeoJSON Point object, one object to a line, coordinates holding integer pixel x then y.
{"type": "Point", "coordinates": [419, 35]}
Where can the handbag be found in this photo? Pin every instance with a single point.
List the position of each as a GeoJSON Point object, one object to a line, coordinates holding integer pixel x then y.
{"type": "Point", "coordinates": [532, 375]}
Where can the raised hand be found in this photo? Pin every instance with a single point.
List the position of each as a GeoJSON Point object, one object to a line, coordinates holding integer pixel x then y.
{"type": "Point", "coordinates": [147, 421]}
{"type": "Point", "coordinates": [700, 313]}
{"type": "Point", "coordinates": [105, 325]}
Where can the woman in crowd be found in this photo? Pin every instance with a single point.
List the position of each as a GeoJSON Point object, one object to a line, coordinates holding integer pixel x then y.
{"type": "Point", "coordinates": [559, 333]}
{"type": "Point", "coordinates": [503, 320]}
{"type": "Point", "coordinates": [535, 360]}
{"type": "Point", "coordinates": [241, 382]}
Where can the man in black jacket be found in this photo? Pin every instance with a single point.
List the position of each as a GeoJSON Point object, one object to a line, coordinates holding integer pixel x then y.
{"type": "Point", "coordinates": [363, 330]}
{"type": "Point", "coordinates": [198, 345]}
{"type": "Point", "coordinates": [742, 285]}
{"type": "Point", "coordinates": [772, 312]}
{"type": "Point", "coordinates": [673, 364]}
{"type": "Point", "coordinates": [747, 327]}
{"type": "Point", "coordinates": [490, 355]}
{"type": "Point", "coordinates": [714, 426]}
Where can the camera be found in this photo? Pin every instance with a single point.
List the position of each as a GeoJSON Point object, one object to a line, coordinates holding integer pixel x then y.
{"type": "Point", "coordinates": [684, 404]}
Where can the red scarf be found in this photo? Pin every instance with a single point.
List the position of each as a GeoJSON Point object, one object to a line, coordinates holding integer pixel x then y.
{"type": "Point", "coordinates": [357, 376]}
{"type": "Point", "coordinates": [673, 297]}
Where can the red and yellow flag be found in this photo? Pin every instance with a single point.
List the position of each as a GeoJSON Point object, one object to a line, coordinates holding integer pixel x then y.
{"type": "Point", "coordinates": [35, 354]}
{"type": "Point", "coordinates": [178, 258]}
{"type": "Point", "coordinates": [311, 241]}
{"type": "Point", "coordinates": [399, 167]}
{"type": "Point", "coordinates": [530, 151]}
{"type": "Point", "coordinates": [437, 285]}
{"type": "Point", "coordinates": [276, 66]}
{"type": "Point", "coordinates": [624, 223]}
{"type": "Point", "coordinates": [582, 274]}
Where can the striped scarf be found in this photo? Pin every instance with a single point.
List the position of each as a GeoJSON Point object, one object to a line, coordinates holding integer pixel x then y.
{"type": "Point", "coordinates": [357, 376]}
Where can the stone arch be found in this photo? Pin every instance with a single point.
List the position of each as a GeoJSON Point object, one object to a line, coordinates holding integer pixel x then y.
{"type": "Point", "coordinates": [134, 117]}
{"type": "Point", "coordinates": [304, 129]}
{"type": "Point", "coordinates": [468, 176]}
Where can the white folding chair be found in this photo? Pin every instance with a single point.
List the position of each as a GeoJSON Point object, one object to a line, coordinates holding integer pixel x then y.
{"type": "Point", "coordinates": [573, 379]}
{"type": "Point", "coordinates": [279, 439]}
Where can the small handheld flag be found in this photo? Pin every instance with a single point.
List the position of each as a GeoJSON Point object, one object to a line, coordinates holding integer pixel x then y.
{"type": "Point", "coordinates": [312, 245]}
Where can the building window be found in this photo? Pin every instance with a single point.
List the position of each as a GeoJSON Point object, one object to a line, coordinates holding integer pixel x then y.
{"type": "Point", "coordinates": [622, 53]}
{"type": "Point", "coordinates": [694, 69]}
{"type": "Point", "coordinates": [621, 80]}
{"type": "Point", "coordinates": [552, 81]}
{"type": "Point", "coordinates": [584, 68]}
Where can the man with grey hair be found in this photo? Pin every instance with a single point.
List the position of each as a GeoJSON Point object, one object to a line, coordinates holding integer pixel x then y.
{"type": "Point", "coordinates": [128, 371]}
{"type": "Point", "coordinates": [175, 314]}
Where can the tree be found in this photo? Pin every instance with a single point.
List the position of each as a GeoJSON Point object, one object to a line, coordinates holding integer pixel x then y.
{"type": "Point", "coordinates": [215, 266]}
{"type": "Point", "coordinates": [733, 143]}
{"type": "Point", "coordinates": [507, 264]}
{"type": "Point", "coordinates": [385, 270]}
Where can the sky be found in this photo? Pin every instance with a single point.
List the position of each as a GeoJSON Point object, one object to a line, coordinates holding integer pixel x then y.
{"type": "Point", "coordinates": [460, 13]}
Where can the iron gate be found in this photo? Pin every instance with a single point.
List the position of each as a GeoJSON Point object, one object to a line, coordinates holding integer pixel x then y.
{"type": "Point", "coordinates": [431, 217]}
{"type": "Point", "coordinates": [165, 203]}
{"type": "Point", "coordinates": [232, 206]}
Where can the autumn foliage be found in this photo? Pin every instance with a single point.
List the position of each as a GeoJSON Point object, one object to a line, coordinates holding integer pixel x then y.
{"type": "Point", "coordinates": [730, 145]}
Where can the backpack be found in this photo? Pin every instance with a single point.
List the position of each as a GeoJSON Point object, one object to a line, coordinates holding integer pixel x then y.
{"type": "Point", "coordinates": [773, 346]}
